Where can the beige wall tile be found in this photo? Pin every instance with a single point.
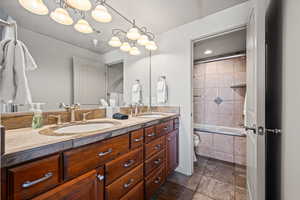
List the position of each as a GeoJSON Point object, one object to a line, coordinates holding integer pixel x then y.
{"type": "Point", "coordinates": [226, 93]}
{"type": "Point", "coordinates": [223, 156]}
{"type": "Point", "coordinates": [211, 68]}
{"type": "Point", "coordinates": [223, 143]}
{"type": "Point", "coordinates": [241, 160]}
{"type": "Point", "coordinates": [210, 93]}
{"type": "Point", "coordinates": [240, 146]}
{"type": "Point", "coordinates": [225, 66]}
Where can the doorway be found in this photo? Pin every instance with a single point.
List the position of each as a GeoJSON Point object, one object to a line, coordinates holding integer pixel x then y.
{"type": "Point", "coordinates": [115, 82]}
{"type": "Point", "coordinates": [219, 90]}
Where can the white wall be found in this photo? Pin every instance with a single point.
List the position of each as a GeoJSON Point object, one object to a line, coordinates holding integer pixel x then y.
{"type": "Point", "coordinates": [291, 101]}
{"type": "Point", "coordinates": [52, 81]}
{"type": "Point", "coordinates": [174, 60]}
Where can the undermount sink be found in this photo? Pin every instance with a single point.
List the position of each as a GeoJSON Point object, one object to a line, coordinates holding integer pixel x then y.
{"type": "Point", "coordinates": [151, 115]}
{"type": "Point", "coordinates": [78, 128]}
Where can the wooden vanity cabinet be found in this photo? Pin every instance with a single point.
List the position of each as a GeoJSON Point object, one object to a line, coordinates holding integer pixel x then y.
{"type": "Point", "coordinates": [89, 186]}
{"type": "Point", "coordinates": [172, 160]}
{"type": "Point", "coordinates": [127, 167]}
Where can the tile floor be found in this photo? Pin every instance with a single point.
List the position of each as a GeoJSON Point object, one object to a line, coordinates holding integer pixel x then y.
{"type": "Point", "coordinates": [212, 180]}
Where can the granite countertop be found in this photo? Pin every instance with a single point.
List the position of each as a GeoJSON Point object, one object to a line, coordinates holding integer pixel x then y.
{"type": "Point", "coordinates": [26, 143]}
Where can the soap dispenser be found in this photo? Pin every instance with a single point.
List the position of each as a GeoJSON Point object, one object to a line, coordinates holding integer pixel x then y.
{"type": "Point", "coordinates": [37, 119]}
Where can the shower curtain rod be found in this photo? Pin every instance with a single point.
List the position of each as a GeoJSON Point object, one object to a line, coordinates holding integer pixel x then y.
{"type": "Point", "coordinates": [223, 57]}
{"type": "Point", "coordinates": [13, 24]}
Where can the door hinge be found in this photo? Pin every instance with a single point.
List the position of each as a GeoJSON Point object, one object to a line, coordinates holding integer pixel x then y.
{"type": "Point", "coordinates": [262, 131]}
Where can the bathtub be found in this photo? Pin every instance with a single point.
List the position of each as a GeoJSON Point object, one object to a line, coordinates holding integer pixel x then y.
{"type": "Point", "coordinates": [220, 130]}
{"type": "Point", "coordinates": [221, 143]}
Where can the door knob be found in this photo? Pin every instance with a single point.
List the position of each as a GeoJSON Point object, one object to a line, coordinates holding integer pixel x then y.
{"type": "Point", "coordinates": [247, 128]}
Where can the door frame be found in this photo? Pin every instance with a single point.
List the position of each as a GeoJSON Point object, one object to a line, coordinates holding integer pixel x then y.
{"type": "Point", "coordinates": [192, 42]}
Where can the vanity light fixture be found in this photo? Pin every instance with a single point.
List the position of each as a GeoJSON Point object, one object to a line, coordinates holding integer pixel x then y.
{"type": "Point", "coordinates": [134, 51]}
{"type": "Point", "coordinates": [208, 51]}
{"type": "Point", "coordinates": [101, 14]}
{"type": "Point", "coordinates": [83, 5]}
{"type": "Point", "coordinates": [125, 47]}
{"type": "Point", "coordinates": [35, 6]}
{"type": "Point", "coordinates": [143, 40]}
{"type": "Point", "coordinates": [151, 46]}
{"type": "Point", "coordinates": [115, 42]}
{"type": "Point", "coordinates": [83, 26]}
{"type": "Point", "coordinates": [61, 16]}
{"type": "Point", "coordinates": [133, 34]}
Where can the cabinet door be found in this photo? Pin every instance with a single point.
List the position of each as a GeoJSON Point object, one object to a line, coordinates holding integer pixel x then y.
{"type": "Point", "coordinates": [86, 187]}
{"type": "Point", "coordinates": [172, 151]}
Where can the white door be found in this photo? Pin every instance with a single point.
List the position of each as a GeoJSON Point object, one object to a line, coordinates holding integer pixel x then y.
{"type": "Point", "coordinates": [255, 111]}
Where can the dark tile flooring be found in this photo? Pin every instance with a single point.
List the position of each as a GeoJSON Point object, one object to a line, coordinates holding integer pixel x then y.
{"type": "Point", "coordinates": [212, 180]}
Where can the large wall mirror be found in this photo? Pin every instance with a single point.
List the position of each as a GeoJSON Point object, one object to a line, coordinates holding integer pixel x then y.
{"type": "Point", "coordinates": [67, 63]}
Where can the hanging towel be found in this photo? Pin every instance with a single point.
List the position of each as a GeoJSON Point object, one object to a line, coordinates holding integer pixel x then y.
{"type": "Point", "coordinates": [136, 93]}
{"type": "Point", "coordinates": [15, 60]}
{"type": "Point", "coordinates": [162, 91]}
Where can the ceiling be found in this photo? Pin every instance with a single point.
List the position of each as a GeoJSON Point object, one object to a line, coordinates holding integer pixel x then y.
{"type": "Point", "coordinates": [221, 45]}
{"type": "Point", "coordinates": [158, 15]}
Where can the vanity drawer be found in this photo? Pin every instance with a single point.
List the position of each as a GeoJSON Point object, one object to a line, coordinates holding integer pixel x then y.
{"type": "Point", "coordinates": [165, 127]}
{"type": "Point", "coordinates": [33, 178]}
{"type": "Point", "coordinates": [86, 158]}
{"type": "Point", "coordinates": [137, 193]}
{"type": "Point", "coordinates": [123, 164]}
{"type": "Point", "coordinates": [154, 147]}
{"type": "Point", "coordinates": [137, 138]}
{"type": "Point", "coordinates": [155, 180]}
{"type": "Point", "coordinates": [150, 134]}
{"type": "Point", "coordinates": [154, 162]}
{"type": "Point", "coordinates": [124, 184]}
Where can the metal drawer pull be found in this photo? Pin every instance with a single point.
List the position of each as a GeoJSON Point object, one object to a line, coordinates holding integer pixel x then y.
{"type": "Point", "coordinates": [28, 184]}
{"type": "Point", "coordinates": [157, 147]}
{"type": "Point", "coordinates": [169, 139]}
{"type": "Point", "coordinates": [129, 163]}
{"type": "Point", "coordinates": [151, 135]}
{"type": "Point", "coordinates": [157, 180]}
{"type": "Point", "coordinates": [106, 152]}
{"type": "Point", "coordinates": [100, 177]}
{"type": "Point", "coordinates": [130, 182]}
{"type": "Point", "coordinates": [139, 139]}
{"type": "Point", "coordinates": [157, 161]}
{"type": "Point", "coordinates": [166, 128]}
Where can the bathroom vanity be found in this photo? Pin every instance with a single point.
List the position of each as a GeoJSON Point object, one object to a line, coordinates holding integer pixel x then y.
{"type": "Point", "coordinates": [129, 163]}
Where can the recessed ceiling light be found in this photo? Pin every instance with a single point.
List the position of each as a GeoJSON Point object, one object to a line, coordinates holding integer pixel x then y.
{"type": "Point", "coordinates": [208, 51]}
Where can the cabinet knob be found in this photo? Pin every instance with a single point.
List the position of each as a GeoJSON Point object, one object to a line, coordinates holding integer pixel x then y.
{"type": "Point", "coordinates": [100, 177]}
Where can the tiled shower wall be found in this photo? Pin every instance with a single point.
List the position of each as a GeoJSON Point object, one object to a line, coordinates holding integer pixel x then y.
{"type": "Point", "coordinates": [215, 102]}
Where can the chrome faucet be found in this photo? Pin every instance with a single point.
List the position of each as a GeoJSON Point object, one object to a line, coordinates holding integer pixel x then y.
{"type": "Point", "coordinates": [70, 108]}
{"type": "Point", "coordinates": [137, 109]}
{"type": "Point", "coordinates": [58, 118]}
{"type": "Point", "coordinates": [84, 115]}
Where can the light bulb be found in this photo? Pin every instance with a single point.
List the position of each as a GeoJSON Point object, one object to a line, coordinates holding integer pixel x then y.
{"type": "Point", "coordinates": [143, 40]}
{"type": "Point", "coordinates": [61, 16]}
{"type": "Point", "coordinates": [151, 46]}
{"type": "Point", "coordinates": [83, 5]}
{"type": "Point", "coordinates": [83, 26]}
{"type": "Point", "coordinates": [115, 42]}
{"type": "Point", "coordinates": [125, 47]}
{"type": "Point", "coordinates": [134, 51]}
{"type": "Point", "coordinates": [133, 34]}
{"type": "Point", "coordinates": [208, 51]}
{"type": "Point", "coordinates": [35, 6]}
{"type": "Point", "coordinates": [101, 14]}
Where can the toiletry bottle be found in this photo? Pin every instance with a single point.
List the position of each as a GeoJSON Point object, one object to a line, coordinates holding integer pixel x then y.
{"type": "Point", "coordinates": [37, 119]}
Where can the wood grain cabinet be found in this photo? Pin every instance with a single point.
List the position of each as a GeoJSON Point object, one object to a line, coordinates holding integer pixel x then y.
{"type": "Point", "coordinates": [127, 167]}
{"type": "Point", "coordinates": [172, 151]}
{"type": "Point", "coordinates": [85, 187]}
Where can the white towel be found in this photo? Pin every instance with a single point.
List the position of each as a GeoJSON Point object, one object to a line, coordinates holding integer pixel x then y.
{"type": "Point", "coordinates": [14, 63]}
{"type": "Point", "coordinates": [136, 93]}
{"type": "Point", "coordinates": [162, 91]}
